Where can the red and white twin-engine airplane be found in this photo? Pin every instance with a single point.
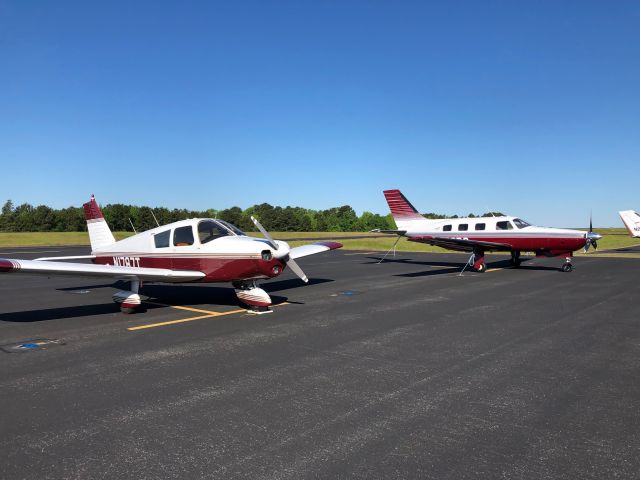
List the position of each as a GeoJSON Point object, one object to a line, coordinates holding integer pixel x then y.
{"type": "Point", "coordinates": [195, 250]}
{"type": "Point", "coordinates": [486, 234]}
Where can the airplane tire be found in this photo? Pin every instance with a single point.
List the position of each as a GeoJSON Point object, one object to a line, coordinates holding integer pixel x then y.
{"type": "Point", "coordinates": [482, 268]}
{"type": "Point", "coordinates": [567, 267]}
{"type": "Point", "coordinates": [127, 310]}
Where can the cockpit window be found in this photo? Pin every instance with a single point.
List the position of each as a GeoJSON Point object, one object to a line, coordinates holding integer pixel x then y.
{"type": "Point", "coordinates": [231, 227]}
{"type": "Point", "coordinates": [521, 223]}
{"type": "Point", "coordinates": [210, 230]}
{"type": "Point", "coordinates": [505, 225]}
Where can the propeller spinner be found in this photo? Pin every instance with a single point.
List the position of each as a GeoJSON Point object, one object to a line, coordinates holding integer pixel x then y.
{"type": "Point", "coordinates": [295, 268]}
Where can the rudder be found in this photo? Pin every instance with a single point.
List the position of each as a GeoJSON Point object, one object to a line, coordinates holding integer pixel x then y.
{"type": "Point", "coordinates": [631, 220]}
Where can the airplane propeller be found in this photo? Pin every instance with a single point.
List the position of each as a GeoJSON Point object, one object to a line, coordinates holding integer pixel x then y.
{"type": "Point", "coordinates": [295, 268]}
{"type": "Point", "coordinates": [592, 238]}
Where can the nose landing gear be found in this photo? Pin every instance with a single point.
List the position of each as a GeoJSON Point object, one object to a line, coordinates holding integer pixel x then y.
{"type": "Point", "coordinates": [515, 258]}
{"type": "Point", "coordinates": [567, 267]}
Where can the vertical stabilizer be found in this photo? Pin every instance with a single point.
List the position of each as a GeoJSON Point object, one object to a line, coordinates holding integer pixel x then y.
{"type": "Point", "coordinates": [631, 220]}
{"type": "Point", "coordinates": [405, 214]}
{"type": "Point", "coordinates": [99, 232]}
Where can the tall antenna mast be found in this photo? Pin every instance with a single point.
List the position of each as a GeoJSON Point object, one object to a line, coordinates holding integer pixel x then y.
{"type": "Point", "coordinates": [154, 217]}
{"type": "Point", "coordinates": [134, 228]}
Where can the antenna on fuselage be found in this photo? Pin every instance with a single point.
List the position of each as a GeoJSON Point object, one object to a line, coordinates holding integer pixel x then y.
{"type": "Point", "coordinates": [134, 228]}
{"type": "Point", "coordinates": [154, 217]}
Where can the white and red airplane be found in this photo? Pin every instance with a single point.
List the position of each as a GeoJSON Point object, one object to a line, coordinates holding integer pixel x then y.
{"type": "Point", "coordinates": [195, 250]}
{"type": "Point", "coordinates": [631, 220]}
{"type": "Point", "coordinates": [486, 234]}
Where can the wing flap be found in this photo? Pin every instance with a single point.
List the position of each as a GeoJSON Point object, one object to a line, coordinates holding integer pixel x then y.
{"type": "Point", "coordinates": [313, 248]}
{"type": "Point", "coordinates": [89, 269]}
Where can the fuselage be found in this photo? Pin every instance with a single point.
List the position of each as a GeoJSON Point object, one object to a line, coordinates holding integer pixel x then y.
{"type": "Point", "coordinates": [517, 234]}
{"type": "Point", "coordinates": [219, 250]}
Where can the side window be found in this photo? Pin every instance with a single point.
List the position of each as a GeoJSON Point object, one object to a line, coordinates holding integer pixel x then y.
{"type": "Point", "coordinates": [446, 228]}
{"type": "Point", "coordinates": [480, 226]}
{"type": "Point", "coordinates": [463, 227]}
{"type": "Point", "coordinates": [504, 226]}
{"type": "Point", "coordinates": [162, 239]}
{"type": "Point", "coordinates": [183, 236]}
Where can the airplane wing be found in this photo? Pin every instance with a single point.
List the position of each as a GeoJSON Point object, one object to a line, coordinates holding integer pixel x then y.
{"type": "Point", "coordinates": [313, 248]}
{"type": "Point", "coordinates": [89, 269]}
{"type": "Point", "coordinates": [464, 245]}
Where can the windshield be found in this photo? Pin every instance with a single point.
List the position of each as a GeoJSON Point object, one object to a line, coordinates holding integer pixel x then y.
{"type": "Point", "coordinates": [521, 223]}
{"type": "Point", "coordinates": [210, 230]}
{"type": "Point", "coordinates": [233, 228]}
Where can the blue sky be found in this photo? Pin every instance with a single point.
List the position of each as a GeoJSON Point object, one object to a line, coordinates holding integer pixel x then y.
{"type": "Point", "coordinates": [530, 108]}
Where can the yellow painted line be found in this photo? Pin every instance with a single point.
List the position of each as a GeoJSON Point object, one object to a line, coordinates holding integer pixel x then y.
{"type": "Point", "coordinates": [180, 307]}
{"type": "Point", "coordinates": [172, 322]}
{"type": "Point", "coordinates": [493, 269]}
{"type": "Point", "coordinates": [192, 319]}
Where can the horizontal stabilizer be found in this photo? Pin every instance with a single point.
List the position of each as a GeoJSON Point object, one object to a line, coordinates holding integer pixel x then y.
{"type": "Point", "coordinates": [390, 232]}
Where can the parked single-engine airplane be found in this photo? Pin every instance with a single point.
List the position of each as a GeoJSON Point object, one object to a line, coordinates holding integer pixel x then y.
{"type": "Point", "coordinates": [486, 234]}
{"type": "Point", "coordinates": [195, 250]}
{"type": "Point", "coordinates": [631, 220]}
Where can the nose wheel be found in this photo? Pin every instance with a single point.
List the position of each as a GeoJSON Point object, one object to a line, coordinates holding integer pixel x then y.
{"type": "Point", "coordinates": [567, 267]}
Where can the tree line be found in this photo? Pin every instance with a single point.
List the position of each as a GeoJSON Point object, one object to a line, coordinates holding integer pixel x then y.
{"type": "Point", "coordinates": [120, 217]}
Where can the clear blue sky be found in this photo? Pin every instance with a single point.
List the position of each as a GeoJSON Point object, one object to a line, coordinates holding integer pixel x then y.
{"type": "Point", "coordinates": [531, 108]}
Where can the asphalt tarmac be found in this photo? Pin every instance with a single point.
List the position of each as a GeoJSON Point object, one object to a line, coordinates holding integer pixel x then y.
{"type": "Point", "coordinates": [403, 369]}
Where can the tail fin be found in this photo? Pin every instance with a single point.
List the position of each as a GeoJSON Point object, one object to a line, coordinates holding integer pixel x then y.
{"type": "Point", "coordinates": [405, 214]}
{"type": "Point", "coordinates": [99, 232]}
{"type": "Point", "coordinates": [632, 221]}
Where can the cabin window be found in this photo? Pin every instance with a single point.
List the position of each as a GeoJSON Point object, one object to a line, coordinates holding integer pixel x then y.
{"type": "Point", "coordinates": [162, 239]}
{"type": "Point", "coordinates": [505, 225]}
{"type": "Point", "coordinates": [521, 223]}
{"type": "Point", "coordinates": [463, 227]}
{"type": "Point", "coordinates": [210, 230]}
{"type": "Point", "coordinates": [446, 228]}
{"type": "Point", "coordinates": [481, 226]}
{"type": "Point", "coordinates": [183, 236]}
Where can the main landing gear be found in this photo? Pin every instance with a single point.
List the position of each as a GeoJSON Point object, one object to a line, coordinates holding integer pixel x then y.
{"type": "Point", "coordinates": [253, 296]}
{"type": "Point", "coordinates": [476, 260]}
{"type": "Point", "coordinates": [515, 258]}
{"type": "Point", "coordinates": [129, 300]}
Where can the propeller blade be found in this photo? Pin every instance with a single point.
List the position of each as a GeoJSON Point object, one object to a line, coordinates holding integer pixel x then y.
{"type": "Point", "coordinates": [266, 235]}
{"type": "Point", "coordinates": [295, 268]}
{"type": "Point", "coordinates": [586, 246]}
{"type": "Point", "coordinates": [595, 244]}
{"type": "Point", "coordinates": [591, 221]}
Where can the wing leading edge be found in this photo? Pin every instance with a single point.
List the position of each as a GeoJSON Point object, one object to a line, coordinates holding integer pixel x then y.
{"type": "Point", "coordinates": [88, 269]}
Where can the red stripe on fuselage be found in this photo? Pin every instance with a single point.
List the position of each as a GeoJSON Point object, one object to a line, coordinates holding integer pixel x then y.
{"type": "Point", "coordinates": [519, 242]}
{"type": "Point", "coordinates": [215, 269]}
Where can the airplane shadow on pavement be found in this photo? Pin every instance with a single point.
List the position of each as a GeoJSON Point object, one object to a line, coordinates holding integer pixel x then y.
{"type": "Point", "coordinates": [177, 295]}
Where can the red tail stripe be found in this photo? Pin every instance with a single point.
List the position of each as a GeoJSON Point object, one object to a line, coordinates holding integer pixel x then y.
{"type": "Point", "coordinates": [399, 205]}
{"type": "Point", "coordinates": [92, 210]}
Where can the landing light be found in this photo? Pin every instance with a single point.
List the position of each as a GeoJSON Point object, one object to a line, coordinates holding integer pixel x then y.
{"type": "Point", "coordinates": [276, 270]}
